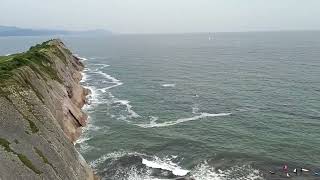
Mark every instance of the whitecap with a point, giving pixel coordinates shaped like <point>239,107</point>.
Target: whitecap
<point>93,98</point>
<point>113,80</point>
<point>126,103</point>
<point>182,120</point>
<point>113,155</point>
<point>84,77</point>
<point>168,85</point>
<point>82,139</point>
<point>151,162</point>
<point>204,172</point>
<point>165,164</point>
<point>102,66</point>
<point>81,58</point>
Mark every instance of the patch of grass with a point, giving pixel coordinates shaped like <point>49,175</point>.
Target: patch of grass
<point>34,128</point>
<point>36,58</point>
<point>44,159</point>
<point>28,163</point>
<point>6,144</point>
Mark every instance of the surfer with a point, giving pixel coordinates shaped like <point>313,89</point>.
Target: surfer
<point>286,170</point>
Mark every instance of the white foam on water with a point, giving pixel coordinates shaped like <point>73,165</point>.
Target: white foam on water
<point>113,80</point>
<point>165,164</point>
<point>126,103</point>
<point>102,66</point>
<point>84,77</point>
<point>79,57</point>
<point>205,172</point>
<point>153,162</point>
<point>81,140</point>
<point>113,156</point>
<point>168,85</point>
<point>153,119</point>
<point>93,98</point>
<point>182,120</point>
<point>195,109</point>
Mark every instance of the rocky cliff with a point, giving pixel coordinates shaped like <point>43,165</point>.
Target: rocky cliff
<point>40,114</point>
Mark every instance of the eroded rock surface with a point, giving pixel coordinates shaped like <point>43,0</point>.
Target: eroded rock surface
<point>40,115</point>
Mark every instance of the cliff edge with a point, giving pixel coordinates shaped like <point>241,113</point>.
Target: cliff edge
<point>40,114</point>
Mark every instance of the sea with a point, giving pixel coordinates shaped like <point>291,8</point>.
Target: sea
<point>206,106</point>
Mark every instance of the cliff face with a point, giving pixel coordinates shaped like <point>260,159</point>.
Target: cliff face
<point>40,114</point>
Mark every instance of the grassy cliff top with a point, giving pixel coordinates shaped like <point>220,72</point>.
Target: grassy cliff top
<point>36,56</point>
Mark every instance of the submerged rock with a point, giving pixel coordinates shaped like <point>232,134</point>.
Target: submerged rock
<point>40,114</point>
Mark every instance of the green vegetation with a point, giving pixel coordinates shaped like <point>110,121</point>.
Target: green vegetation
<point>37,58</point>
<point>44,159</point>
<point>34,128</point>
<point>28,163</point>
<point>6,144</point>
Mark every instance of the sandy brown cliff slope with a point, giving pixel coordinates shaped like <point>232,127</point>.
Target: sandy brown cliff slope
<point>40,114</point>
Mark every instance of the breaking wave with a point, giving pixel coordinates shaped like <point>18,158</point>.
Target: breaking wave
<point>204,171</point>
<point>137,166</point>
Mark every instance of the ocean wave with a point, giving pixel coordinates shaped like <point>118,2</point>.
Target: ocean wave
<point>165,164</point>
<point>84,77</point>
<point>133,165</point>
<point>168,85</point>
<point>182,120</point>
<point>132,114</point>
<point>137,166</point>
<point>204,171</point>
<point>79,57</point>
<point>81,140</point>
<point>93,98</point>
<point>113,80</point>
<point>82,145</point>
<point>101,66</point>
<point>113,156</point>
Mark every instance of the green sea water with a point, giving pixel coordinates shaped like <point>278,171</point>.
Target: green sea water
<point>228,106</point>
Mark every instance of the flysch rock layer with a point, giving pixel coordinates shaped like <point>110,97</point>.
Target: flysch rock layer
<point>41,117</point>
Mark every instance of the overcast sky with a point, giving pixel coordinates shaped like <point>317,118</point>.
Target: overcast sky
<point>163,16</point>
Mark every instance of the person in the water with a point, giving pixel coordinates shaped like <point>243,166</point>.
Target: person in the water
<point>286,170</point>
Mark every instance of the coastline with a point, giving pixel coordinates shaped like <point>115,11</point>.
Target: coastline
<point>41,101</point>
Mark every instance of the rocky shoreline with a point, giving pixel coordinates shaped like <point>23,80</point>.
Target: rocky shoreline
<point>41,115</point>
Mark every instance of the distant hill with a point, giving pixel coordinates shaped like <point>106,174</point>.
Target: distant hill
<point>16,31</point>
